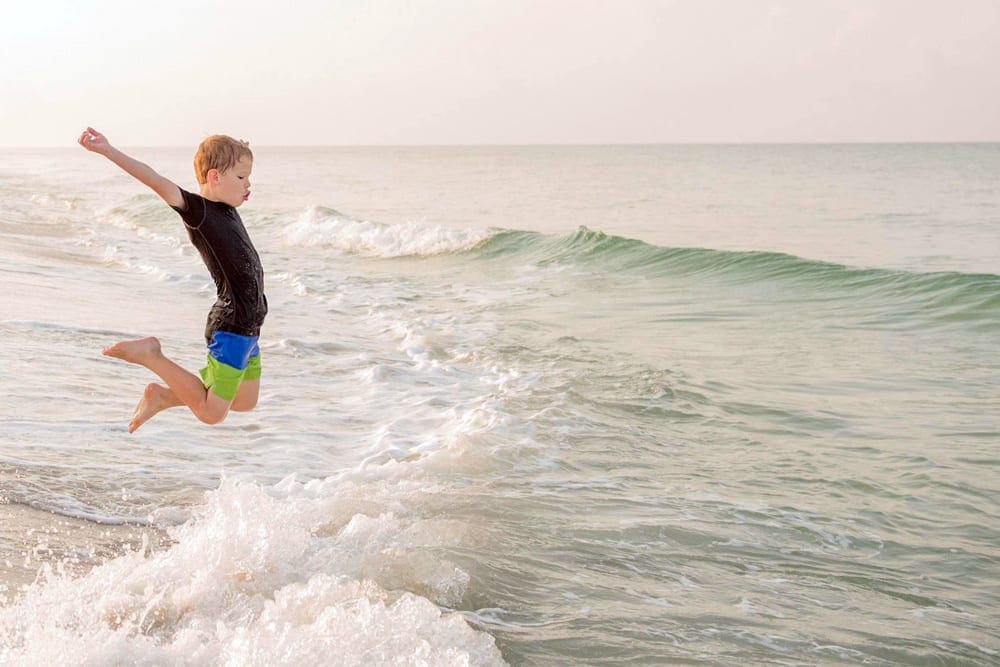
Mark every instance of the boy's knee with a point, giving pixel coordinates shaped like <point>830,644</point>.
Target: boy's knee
<point>244,404</point>
<point>212,419</point>
<point>213,413</point>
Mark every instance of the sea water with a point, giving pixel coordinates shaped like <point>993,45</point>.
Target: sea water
<point>524,405</point>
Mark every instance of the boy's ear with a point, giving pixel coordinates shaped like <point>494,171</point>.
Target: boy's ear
<point>212,176</point>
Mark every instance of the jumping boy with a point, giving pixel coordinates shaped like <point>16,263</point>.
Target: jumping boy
<point>231,380</point>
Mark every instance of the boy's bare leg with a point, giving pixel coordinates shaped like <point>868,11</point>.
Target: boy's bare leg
<point>246,396</point>
<point>186,387</point>
<point>155,398</point>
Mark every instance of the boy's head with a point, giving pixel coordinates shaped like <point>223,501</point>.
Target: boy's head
<point>219,152</point>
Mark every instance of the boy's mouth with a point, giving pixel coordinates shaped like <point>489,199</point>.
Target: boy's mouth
<point>246,195</point>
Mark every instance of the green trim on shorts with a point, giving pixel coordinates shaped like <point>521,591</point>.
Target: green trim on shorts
<point>223,380</point>
<point>253,368</point>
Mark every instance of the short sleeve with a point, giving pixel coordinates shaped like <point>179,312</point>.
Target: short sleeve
<point>194,209</point>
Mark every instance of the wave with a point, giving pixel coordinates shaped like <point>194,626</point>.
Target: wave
<point>326,227</point>
<point>950,295</point>
<point>115,257</point>
<point>261,575</point>
<point>69,328</point>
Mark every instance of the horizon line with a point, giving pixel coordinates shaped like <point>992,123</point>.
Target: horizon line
<point>879,142</point>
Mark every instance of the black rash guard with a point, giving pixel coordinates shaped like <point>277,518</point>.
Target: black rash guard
<point>217,231</point>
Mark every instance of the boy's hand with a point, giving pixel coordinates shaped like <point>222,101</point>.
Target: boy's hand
<point>94,141</point>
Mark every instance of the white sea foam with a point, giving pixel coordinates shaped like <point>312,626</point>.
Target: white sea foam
<point>327,228</point>
<point>343,570</point>
<point>53,200</point>
<point>113,256</point>
<point>291,574</point>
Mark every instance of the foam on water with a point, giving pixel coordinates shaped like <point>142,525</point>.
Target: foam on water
<point>351,568</point>
<point>320,226</point>
<point>291,574</point>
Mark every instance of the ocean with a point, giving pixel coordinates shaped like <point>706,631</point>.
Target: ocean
<point>538,405</point>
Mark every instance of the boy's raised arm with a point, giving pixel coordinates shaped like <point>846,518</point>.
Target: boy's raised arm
<point>168,191</point>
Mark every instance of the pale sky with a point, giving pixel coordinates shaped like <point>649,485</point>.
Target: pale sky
<point>327,72</point>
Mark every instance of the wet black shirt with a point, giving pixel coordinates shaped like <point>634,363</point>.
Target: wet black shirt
<point>217,231</point>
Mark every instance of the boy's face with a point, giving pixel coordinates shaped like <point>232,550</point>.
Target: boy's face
<point>233,185</point>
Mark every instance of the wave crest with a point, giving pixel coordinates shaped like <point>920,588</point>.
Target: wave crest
<point>326,227</point>
<point>964,298</point>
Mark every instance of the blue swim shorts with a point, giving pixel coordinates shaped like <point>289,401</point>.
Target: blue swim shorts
<point>232,358</point>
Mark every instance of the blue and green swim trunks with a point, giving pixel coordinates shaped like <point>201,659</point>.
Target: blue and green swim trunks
<point>232,358</point>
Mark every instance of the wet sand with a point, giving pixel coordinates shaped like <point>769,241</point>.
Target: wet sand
<point>33,540</point>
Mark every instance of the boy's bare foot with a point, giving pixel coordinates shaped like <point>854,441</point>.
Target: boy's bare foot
<point>138,351</point>
<point>154,399</point>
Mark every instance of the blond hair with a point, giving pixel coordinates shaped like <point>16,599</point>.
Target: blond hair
<point>219,152</point>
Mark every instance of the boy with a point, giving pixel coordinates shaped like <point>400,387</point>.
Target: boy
<point>231,380</point>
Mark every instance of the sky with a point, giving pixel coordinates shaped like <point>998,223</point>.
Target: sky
<point>353,72</point>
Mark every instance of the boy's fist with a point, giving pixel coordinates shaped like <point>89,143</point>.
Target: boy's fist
<point>93,140</point>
